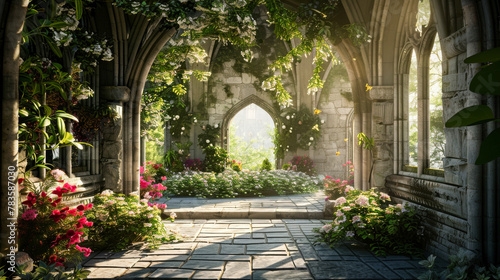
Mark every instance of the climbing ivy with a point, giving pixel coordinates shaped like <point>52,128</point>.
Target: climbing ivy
<point>297,129</point>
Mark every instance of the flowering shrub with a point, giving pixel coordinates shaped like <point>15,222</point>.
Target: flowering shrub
<point>235,165</point>
<point>193,164</point>
<point>336,187</point>
<point>215,159</point>
<point>48,230</point>
<point>303,164</point>
<point>209,137</point>
<point>297,129</point>
<point>367,216</point>
<point>149,190</point>
<point>241,184</point>
<point>120,220</point>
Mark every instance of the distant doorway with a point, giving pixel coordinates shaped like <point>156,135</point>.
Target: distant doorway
<point>250,136</point>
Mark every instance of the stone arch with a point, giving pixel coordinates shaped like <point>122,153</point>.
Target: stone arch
<point>252,99</point>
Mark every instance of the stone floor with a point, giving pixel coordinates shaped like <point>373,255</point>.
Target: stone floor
<point>301,206</point>
<point>268,243</point>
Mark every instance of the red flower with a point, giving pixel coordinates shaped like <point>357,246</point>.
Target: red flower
<point>58,215</point>
<point>83,222</point>
<point>59,191</point>
<point>30,200</point>
<point>20,181</point>
<point>89,206</point>
<point>75,238</point>
<point>72,212</point>
<point>69,187</point>
<point>86,251</point>
<point>44,194</point>
<point>80,207</point>
<point>55,202</point>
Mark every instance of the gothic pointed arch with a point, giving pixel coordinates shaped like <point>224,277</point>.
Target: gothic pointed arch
<point>252,99</point>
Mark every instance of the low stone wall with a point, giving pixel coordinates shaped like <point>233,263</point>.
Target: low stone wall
<point>442,206</point>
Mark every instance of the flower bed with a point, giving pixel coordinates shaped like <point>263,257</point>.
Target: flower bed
<point>240,184</point>
<point>367,216</point>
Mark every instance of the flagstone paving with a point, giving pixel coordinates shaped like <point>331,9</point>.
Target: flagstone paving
<point>250,249</point>
<point>301,206</point>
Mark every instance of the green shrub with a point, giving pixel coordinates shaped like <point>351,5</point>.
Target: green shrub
<point>286,166</point>
<point>236,166</point>
<point>241,184</point>
<point>266,165</point>
<point>215,159</point>
<point>367,216</point>
<point>462,266</point>
<point>120,220</point>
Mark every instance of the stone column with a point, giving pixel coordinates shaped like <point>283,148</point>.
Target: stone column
<point>112,142</point>
<point>383,133</point>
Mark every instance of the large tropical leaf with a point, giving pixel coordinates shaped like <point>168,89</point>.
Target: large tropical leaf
<point>484,57</point>
<point>490,148</point>
<point>487,81</point>
<point>472,115</point>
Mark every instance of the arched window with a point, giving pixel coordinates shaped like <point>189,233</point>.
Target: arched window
<point>413,112</point>
<point>423,133</point>
<point>437,139</point>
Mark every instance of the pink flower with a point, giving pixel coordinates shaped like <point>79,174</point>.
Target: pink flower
<point>349,162</point>
<point>30,215</point>
<point>356,218</point>
<point>86,251</point>
<point>60,191</point>
<point>69,187</point>
<point>141,169</point>
<point>30,200</point>
<point>362,200</point>
<point>164,178</point>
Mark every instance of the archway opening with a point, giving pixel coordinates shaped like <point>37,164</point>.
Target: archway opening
<point>250,137</point>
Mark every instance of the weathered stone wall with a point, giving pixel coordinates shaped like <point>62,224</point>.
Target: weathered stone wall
<point>336,105</point>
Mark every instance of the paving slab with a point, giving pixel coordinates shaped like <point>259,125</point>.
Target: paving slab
<point>203,265</point>
<point>282,275</point>
<point>172,274</point>
<point>272,262</point>
<point>237,270</point>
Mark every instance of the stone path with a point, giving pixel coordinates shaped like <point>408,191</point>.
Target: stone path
<point>250,249</point>
<point>301,206</point>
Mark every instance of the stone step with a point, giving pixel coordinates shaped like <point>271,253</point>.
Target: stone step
<point>261,213</point>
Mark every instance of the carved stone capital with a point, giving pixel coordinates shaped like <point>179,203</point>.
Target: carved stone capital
<point>382,93</point>
<point>455,44</point>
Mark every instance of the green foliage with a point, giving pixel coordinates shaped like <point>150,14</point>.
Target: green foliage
<point>252,153</point>
<point>215,159</point>
<point>286,166</point>
<point>266,165</point>
<point>209,137</point>
<point>462,266</point>
<point>174,159</point>
<point>297,129</point>
<point>318,20</point>
<point>120,220</point>
<point>236,166</point>
<point>40,120</point>
<point>51,272</point>
<point>303,164</point>
<point>482,83</point>
<point>241,184</point>
<point>367,144</point>
<point>367,216</point>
